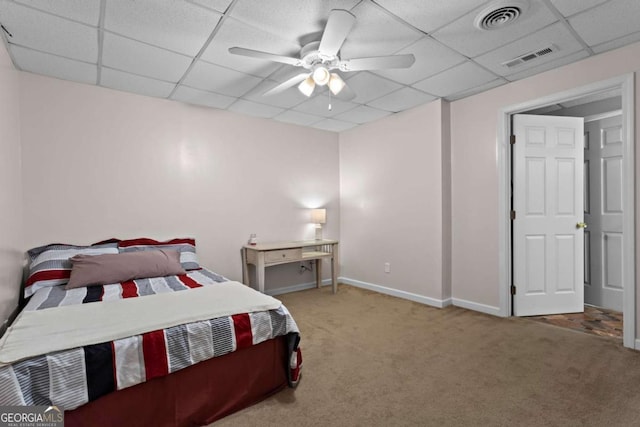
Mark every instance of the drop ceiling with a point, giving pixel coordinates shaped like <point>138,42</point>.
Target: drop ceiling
<point>178,49</point>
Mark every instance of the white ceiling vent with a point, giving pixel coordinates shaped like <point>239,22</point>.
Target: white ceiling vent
<point>527,57</point>
<point>501,13</point>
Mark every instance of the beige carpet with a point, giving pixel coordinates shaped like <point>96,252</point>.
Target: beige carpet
<point>375,360</point>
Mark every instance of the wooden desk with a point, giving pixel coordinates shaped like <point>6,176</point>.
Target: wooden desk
<point>265,255</point>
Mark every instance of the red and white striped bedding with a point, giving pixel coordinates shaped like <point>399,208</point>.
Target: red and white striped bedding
<point>72,377</point>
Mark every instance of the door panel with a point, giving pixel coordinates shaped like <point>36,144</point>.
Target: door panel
<point>566,186</point>
<point>535,254</point>
<point>548,249</point>
<point>603,286</point>
<point>536,197</point>
<point>612,254</point>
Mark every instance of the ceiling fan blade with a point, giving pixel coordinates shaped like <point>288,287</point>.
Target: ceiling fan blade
<point>265,55</point>
<point>378,62</point>
<point>286,85</point>
<point>338,27</point>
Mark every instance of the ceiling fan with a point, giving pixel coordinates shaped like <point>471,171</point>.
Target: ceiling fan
<point>321,59</point>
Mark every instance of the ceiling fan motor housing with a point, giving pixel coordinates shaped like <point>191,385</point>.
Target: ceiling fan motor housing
<point>311,57</point>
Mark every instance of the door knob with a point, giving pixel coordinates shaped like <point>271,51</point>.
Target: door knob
<point>581,225</point>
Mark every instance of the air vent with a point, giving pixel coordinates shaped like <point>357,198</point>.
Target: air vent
<point>530,56</point>
<point>500,14</point>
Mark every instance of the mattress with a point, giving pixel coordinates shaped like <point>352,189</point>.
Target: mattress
<point>92,366</point>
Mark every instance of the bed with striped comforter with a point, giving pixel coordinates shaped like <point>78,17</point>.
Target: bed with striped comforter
<point>73,377</point>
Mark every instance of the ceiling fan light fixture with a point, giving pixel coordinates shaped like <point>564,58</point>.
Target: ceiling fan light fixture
<point>307,86</point>
<point>336,84</point>
<point>321,76</point>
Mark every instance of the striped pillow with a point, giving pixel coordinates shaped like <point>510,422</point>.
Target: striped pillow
<point>50,266</point>
<point>186,247</point>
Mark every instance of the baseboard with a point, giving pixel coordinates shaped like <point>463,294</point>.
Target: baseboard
<point>396,293</point>
<point>637,347</point>
<point>295,288</point>
<point>482,308</point>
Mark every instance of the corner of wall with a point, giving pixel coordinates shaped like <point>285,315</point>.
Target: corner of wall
<point>446,198</point>
<point>11,189</point>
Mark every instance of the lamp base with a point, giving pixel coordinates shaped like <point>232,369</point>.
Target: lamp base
<point>319,233</point>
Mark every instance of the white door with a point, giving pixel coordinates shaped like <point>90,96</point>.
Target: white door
<point>603,212</point>
<point>548,203</point>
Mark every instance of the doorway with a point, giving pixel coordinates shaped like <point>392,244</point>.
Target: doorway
<point>621,246</point>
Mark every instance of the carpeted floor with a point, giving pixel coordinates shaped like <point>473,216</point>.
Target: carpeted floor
<point>375,360</point>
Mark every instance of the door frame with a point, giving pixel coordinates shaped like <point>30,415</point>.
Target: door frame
<point>503,159</point>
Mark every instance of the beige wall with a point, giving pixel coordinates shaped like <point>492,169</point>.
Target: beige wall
<point>391,182</point>
<point>11,247</point>
<point>474,122</point>
<point>98,163</point>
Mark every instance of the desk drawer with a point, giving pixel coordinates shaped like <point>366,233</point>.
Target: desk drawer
<point>282,255</point>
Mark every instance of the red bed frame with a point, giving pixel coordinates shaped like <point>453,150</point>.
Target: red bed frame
<point>194,396</point>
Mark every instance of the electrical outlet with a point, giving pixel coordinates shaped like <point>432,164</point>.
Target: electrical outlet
<point>387,267</point>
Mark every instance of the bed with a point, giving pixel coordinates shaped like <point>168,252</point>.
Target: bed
<point>174,350</point>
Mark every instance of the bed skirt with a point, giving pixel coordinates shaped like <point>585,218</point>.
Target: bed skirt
<point>194,396</point>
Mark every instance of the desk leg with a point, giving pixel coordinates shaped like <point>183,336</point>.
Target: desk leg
<point>318,273</point>
<point>260,271</point>
<point>245,267</point>
<point>334,268</point>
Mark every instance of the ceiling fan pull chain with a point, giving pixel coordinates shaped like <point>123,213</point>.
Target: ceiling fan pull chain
<point>329,100</point>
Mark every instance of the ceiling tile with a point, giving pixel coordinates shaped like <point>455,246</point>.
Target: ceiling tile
<point>178,26</point>
<point>235,33</point>
<point>457,79</point>
<point>42,31</point>
<point>431,58</point>
<point>401,100</point>
<point>139,58</point>
<point>78,10</point>
<point>362,114</point>
<point>556,34</point>
<point>254,109</point>
<point>477,89</point>
<point>368,86</point>
<point>292,20</point>
<point>54,66</point>
<point>214,78</point>
<point>428,15</point>
<point>319,105</point>
<point>115,79</point>
<point>217,5</point>
<point>297,118</point>
<point>549,65</point>
<point>287,99</point>
<point>201,97</point>
<point>334,125</point>
<point>607,22</point>
<point>464,37</point>
<point>614,44</point>
<point>367,39</point>
<point>571,7</point>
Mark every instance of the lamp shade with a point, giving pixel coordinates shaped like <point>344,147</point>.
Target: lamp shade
<point>336,84</point>
<point>307,86</point>
<point>321,76</point>
<point>318,216</point>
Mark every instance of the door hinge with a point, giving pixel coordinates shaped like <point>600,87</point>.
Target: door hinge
<point>513,289</point>
<point>513,215</point>
<point>512,139</point>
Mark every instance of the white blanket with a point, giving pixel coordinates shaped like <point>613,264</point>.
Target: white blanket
<point>44,331</point>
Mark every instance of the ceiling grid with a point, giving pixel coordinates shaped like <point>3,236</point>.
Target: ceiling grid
<point>178,49</point>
